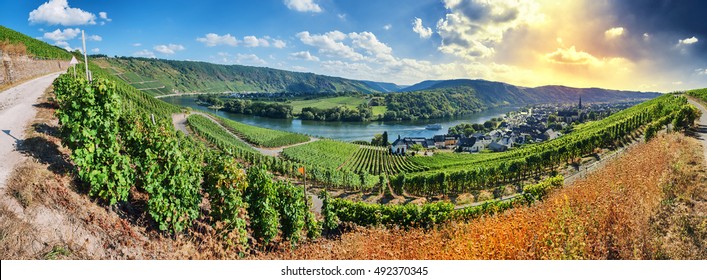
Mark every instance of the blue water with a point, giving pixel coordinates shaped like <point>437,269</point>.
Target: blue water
<point>349,131</point>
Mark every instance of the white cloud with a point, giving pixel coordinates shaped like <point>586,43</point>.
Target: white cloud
<point>104,17</point>
<point>614,32</point>
<point>59,12</point>
<point>62,44</point>
<point>472,28</point>
<point>341,16</point>
<point>303,6</point>
<point>646,37</point>
<point>677,83</point>
<point>137,44</point>
<point>252,41</point>
<point>213,39</point>
<point>95,38</point>
<point>304,55</point>
<point>95,50</point>
<point>417,27</point>
<point>62,35</point>
<point>688,41</point>
<point>279,44</point>
<point>330,43</point>
<point>145,53</point>
<point>370,44</point>
<point>387,26</point>
<point>168,49</point>
<point>701,71</point>
<point>249,59</point>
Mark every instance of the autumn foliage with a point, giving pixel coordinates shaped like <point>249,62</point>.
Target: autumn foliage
<point>605,216</point>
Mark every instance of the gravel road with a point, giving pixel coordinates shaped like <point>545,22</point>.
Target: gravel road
<point>16,110</point>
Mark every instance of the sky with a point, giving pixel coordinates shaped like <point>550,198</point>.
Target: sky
<point>647,45</point>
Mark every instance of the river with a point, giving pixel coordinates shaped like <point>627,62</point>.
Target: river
<point>349,131</point>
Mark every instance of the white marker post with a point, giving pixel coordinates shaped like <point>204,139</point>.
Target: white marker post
<point>85,57</point>
<point>73,64</point>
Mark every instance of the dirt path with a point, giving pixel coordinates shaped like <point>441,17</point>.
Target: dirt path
<point>187,93</point>
<point>17,109</point>
<point>180,123</point>
<point>701,131</point>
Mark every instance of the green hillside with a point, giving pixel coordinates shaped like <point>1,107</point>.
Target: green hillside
<point>435,99</point>
<point>160,77</point>
<point>33,46</point>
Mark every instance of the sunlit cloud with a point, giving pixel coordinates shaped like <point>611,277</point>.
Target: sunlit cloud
<point>688,41</point>
<point>614,32</point>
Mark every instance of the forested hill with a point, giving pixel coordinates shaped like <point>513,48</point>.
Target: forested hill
<point>160,77</point>
<point>497,93</point>
<point>436,99</point>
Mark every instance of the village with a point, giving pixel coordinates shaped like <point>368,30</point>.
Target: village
<point>532,124</point>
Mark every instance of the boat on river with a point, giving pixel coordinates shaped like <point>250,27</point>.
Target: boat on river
<point>433,126</point>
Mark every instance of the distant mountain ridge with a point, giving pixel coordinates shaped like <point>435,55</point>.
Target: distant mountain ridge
<point>499,93</point>
<point>160,77</point>
<point>383,87</point>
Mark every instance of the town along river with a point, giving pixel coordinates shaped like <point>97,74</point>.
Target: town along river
<point>349,131</point>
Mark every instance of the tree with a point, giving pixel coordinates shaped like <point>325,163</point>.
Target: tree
<point>385,139</point>
<point>377,140</point>
<point>416,147</point>
<point>488,124</point>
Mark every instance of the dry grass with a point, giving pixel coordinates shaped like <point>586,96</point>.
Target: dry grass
<point>13,48</point>
<point>609,215</point>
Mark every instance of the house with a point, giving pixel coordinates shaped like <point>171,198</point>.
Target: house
<point>451,140</point>
<point>466,144</point>
<point>402,145</point>
<point>439,141</point>
<point>445,141</point>
<point>507,140</point>
<point>550,134</point>
<point>429,143</point>
<point>398,147</point>
<point>480,145</point>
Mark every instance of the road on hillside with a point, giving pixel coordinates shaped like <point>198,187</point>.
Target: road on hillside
<point>180,123</point>
<point>17,109</point>
<point>701,131</point>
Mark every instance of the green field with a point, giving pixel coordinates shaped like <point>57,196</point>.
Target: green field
<point>327,103</point>
<point>328,154</point>
<point>216,135</point>
<point>378,160</point>
<point>378,110</point>
<point>263,136</point>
